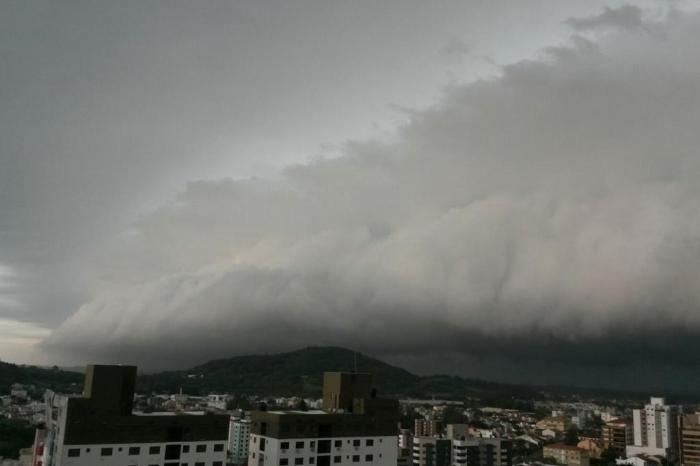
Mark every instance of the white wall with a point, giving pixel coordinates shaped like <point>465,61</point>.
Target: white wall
<point>384,451</point>
<point>90,455</point>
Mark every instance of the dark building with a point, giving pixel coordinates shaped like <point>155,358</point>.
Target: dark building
<point>100,427</point>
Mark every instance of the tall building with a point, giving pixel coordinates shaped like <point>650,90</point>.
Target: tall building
<point>617,434</point>
<point>354,428</point>
<point>238,439</point>
<point>99,427</point>
<point>655,429</point>
<point>432,451</point>
<point>690,440</point>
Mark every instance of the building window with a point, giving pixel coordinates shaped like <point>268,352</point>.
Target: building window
<point>219,447</point>
<point>134,450</point>
<point>284,445</point>
<point>338,443</point>
<point>73,452</point>
<point>356,443</point>
<point>298,461</point>
<point>355,458</point>
<point>185,448</point>
<point>106,452</point>
<point>172,452</point>
<point>337,459</point>
<point>199,463</point>
<point>369,442</point>
<point>299,445</point>
<point>312,460</point>
<point>284,461</point>
<point>201,448</point>
<point>369,457</point>
<point>153,450</point>
<point>217,463</point>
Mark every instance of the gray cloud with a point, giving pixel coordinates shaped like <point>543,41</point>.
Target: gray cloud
<point>534,215</point>
<point>626,17</point>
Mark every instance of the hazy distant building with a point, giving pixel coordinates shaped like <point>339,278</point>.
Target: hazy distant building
<point>556,423</point>
<point>427,427</point>
<point>99,428</point>
<point>617,434</point>
<point>690,440</point>
<point>355,428</point>
<point>655,429</point>
<point>566,454</point>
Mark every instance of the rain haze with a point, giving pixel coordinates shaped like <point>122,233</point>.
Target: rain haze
<point>502,190</point>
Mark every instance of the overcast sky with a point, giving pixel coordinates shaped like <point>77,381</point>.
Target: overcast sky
<point>500,189</point>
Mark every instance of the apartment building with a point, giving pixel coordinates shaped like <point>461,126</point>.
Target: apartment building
<point>99,428</point>
<point>432,451</point>
<point>354,428</point>
<point>555,423</point>
<point>690,440</point>
<point>427,427</point>
<point>473,451</point>
<point>617,434</point>
<point>566,454</point>
<point>238,439</point>
<point>655,429</point>
<point>482,452</point>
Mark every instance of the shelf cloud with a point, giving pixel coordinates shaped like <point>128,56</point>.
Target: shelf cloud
<point>527,217</point>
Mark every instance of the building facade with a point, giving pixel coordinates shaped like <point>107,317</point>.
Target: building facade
<point>566,454</point>
<point>617,434</point>
<point>655,429</point>
<point>690,440</point>
<point>427,428</point>
<point>238,439</point>
<point>354,429</point>
<point>99,428</point>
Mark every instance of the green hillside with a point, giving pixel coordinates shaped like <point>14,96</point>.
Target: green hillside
<point>300,373</point>
<point>41,378</point>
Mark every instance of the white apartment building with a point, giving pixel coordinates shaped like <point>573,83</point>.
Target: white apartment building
<point>238,439</point>
<point>354,429</point>
<point>338,451</point>
<point>655,429</point>
<point>100,429</point>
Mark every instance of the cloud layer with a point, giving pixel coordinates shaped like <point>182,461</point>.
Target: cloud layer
<point>556,203</point>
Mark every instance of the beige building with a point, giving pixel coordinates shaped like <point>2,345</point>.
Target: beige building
<point>617,434</point>
<point>427,428</point>
<point>690,440</point>
<point>566,454</point>
<point>592,446</point>
<point>558,423</point>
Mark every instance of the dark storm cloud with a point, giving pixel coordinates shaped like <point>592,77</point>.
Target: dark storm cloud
<point>547,216</point>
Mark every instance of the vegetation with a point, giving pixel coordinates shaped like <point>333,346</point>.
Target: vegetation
<point>300,373</point>
<point>14,435</point>
<point>40,378</point>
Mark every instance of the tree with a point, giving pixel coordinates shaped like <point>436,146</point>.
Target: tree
<point>571,437</point>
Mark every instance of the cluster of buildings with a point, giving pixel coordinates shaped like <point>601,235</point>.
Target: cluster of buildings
<point>349,426</point>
